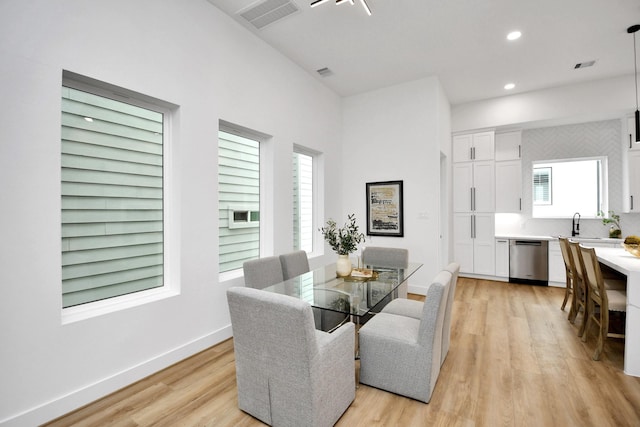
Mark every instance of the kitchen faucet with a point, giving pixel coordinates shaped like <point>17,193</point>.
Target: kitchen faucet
<point>575,225</point>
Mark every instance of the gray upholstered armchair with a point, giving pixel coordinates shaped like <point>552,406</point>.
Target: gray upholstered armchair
<point>288,373</point>
<point>402,354</point>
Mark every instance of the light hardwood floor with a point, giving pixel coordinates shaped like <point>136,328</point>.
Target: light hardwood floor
<point>514,360</point>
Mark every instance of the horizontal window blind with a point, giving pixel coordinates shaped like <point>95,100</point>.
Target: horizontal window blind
<point>302,202</point>
<point>542,186</point>
<point>112,198</point>
<point>238,189</point>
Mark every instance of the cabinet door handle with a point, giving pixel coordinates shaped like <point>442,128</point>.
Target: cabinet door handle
<point>519,151</point>
<point>630,141</point>
<point>471,226</point>
<point>473,197</point>
<point>520,201</point>
<point>631,202</point>
<point>470,198</point>
<point>474,226</point>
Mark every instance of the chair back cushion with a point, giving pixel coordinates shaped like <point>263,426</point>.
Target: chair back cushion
<point>592,275</point>
<point>385,257</point>
<point>294,264</point>
<point>566,255</point>
<point>454,269</point>
<point>574,250</point>
<point>432,322</point>
<point>262,272</point>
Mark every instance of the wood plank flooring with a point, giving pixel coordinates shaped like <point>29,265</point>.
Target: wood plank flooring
<point>514,360</point>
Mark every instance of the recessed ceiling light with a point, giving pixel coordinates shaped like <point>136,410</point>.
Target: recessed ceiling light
<point>509,86</point>
<point>89,119</point>
<point>514,35</point>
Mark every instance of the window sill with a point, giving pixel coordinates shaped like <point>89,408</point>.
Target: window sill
<point>111,305</point>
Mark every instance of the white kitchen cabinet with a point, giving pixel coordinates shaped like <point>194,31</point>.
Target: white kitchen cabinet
<point>502,258</point>
<point>474,242</point>
<point>508,186</point>
<point>508,146</point>
<point>556,265</point>
<point>630,135</point>
<point>474,146</point>
<point>633,162</point>
<point>474,186</point>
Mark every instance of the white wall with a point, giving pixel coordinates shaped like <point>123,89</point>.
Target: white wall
<point>187,53</point>
<point>579,103</point>
<point>397,133</point>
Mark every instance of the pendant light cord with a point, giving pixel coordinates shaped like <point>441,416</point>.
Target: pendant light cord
<point>635,67</point>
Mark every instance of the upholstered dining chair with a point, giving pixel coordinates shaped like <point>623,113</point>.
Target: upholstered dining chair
<point>600,297</point>
<point>288,373</point>
<point>262,272</point>
<point>569,271</point>
<point>401,354</point>
<point>385,257</point>
<point>294,264</point>
<point>580,288</point>
<point>413,308</point>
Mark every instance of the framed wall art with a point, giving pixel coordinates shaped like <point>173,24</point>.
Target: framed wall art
<point>384,209</point>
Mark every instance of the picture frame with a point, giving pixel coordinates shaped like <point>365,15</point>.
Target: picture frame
<point>385,216</point>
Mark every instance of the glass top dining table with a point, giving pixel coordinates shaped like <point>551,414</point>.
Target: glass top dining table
<point>354,296</point>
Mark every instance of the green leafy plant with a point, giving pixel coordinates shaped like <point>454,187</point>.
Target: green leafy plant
<point>343,240</point>
<point>614,220</point>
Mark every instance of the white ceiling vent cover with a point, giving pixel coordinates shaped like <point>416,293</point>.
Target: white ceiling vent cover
<point>267,12</point>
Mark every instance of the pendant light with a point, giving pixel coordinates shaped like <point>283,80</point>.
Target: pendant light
<point>632,30</point>
<point>364,4</point>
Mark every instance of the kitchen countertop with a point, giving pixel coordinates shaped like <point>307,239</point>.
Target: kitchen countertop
<point>555,238</point>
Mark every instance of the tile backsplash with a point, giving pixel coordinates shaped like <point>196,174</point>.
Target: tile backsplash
<point>603,138</point>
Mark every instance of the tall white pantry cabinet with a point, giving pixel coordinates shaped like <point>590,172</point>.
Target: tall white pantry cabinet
<point>474,202</point>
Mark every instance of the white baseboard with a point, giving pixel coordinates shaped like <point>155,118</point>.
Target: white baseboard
<point>64,404</point>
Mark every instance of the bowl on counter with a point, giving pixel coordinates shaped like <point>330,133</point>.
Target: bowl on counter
<point>633,249</point>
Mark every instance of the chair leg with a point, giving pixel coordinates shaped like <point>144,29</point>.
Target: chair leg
<point>602,335</point>
<point>586,321</point>
<point>567,291</point>
<point>573,313</point>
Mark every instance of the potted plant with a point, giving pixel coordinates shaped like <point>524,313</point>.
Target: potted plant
<point>615,231</point>
<point>343,241</point>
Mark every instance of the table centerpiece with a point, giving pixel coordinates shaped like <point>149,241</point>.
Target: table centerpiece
<point>343,241</point>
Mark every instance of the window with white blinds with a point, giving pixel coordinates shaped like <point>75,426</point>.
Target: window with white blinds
<point>542,186</point>
<point>303,202</point>
<point>238,200</point>
<point>112,197</point>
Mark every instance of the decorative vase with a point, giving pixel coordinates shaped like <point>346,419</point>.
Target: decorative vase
<point>615,233</point>
<point>343,266</point>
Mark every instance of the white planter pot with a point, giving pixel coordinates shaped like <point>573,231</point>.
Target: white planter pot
<point>343,266</point>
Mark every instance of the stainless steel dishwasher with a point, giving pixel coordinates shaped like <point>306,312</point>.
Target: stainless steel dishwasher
<point>529,261</point>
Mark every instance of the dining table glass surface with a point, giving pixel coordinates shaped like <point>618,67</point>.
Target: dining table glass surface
<point>356,296</point>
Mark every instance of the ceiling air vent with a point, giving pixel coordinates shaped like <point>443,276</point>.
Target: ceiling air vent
<point>267,12</point>
<point>325,72</point>
<point>584,64</point>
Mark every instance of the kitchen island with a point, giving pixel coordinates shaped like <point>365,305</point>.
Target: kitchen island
<point>625,263</point>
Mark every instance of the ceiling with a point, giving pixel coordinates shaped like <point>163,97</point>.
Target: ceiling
<point>463,42</point>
